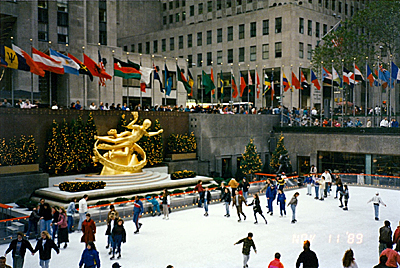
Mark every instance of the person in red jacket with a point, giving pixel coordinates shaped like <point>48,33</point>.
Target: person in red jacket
<point>277,262</point>
<point>396,237</point>
<point>199,188</point>
<point>88,230</point>
<point>393,257</point>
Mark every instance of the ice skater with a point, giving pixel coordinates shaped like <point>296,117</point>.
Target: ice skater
<point>207,200</point>
<point>293,205</point>
<point>137,213</point>
<point>385,237</point>
<point>271,195</point>
<point>199,188</point>
<point>166,201</point>
<point>118,236</point>
<point>90,257</point>
<point>316,185</point>
<point>247,244</point>
<point>276,263</point>
<point>257,208</point>
<point>44,245</point>
<point>308,181</point>
<point>308,257</point>
<point>344,194</point>
<point>281,201</point>
<point>339,186</point>
<point>238,201</point>
<point>348,260</point>
<point>376,200</point>
<point>111,222</point>
<point>226,198</point>
<point>156,205</point>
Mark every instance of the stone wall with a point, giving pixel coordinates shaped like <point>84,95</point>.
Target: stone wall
<point>17,186</point>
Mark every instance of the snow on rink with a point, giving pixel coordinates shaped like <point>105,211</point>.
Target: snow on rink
<point>189,239</point>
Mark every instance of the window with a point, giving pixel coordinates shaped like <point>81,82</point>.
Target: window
<point>333,5</point>
<point>199,39</point>
<point>278,50</point>
<point>183,15</point>
<point>147,51</point>
<point>228,3</point>
<point>209,37</point>
<point>320,2</point>
<point>177,17</point>
<point>125,48</point>
<point>309,28</point>
<point>265,27</point>
<point>219,57</point>
<point>191,11</point>
<point>43,21</point>
<point>253,53</point>
<point>199,60</point>
<point>253,29</point>
<point>265,51</point>
<point>200,8</point>
<point>140,49</point>
<point>209,6</point>
<point>310,1</point>
<point>164,6</point>
<point>171,19</point>
<point>340,7</point>
<point>155,46</point>
<point>190,61</point>
<point>346,9</point>
<point>278,25</point>
<point>325,30</point>
<point>163,45</point>
<point>171,43</point>
<point>62,21</point>
<point>326,3</point>
<point>180,42</point>
<point>183,3</point>
<point>351,11</point>
<point>301,26</point>
<point>317,26</point>
<point>209,58</point>
<point>171,5</point>
<point>230,56</point>
<point>164,20</point>
<point>219,4</point>
<point>219,35</point>
<point>103,22</point>
<point>241,31</point>
<point>309,51</point>
<point>238,2</point>
<point>230,33</point>
<point>241,54</point>
<point>301,50</point>
<point>176,4</point>
<point>190,40</point>
<point>133,48</point>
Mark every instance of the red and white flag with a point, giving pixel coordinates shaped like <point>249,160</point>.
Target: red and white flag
<point>258,85</point>
<point>46,63</point>
<point>249,80</point>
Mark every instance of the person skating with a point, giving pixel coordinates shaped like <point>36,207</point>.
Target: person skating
<point>156,205</point>
<point>234,185</point>
<point>308,257</point>
<point>62,228</point>
<point>271,195</point>
<point>293,205</point>
<point>245,185</point>
<point>83,209</point>
<point>248,243</point>
<point>33,223</point>
<point>118,237</point>
<point>393,257</point>
<point>281,201</point>
<point>281,181</point>
<point>226,198</point>
<point>44,245</point>
<point>18,247</point>
<point>114,211</point>
<point>238,201</point>
<point>257,208</point>
<point>348,260</point>
<point>276,263</point>
<point>396,238</point>
<point>137,213</point>
<point>111,222</point>
<point>316,185</point>
<point>71,210</point>
<point>308,181</point>
<point>3,262</point>
<point>339,186</point>
<point>385,237</point>
<point>90,257</point>
<point>376,200</point>
<point>199,188</point>
<point>207,200</point>
<point>322,184</point>
<point>345,194</point>
<point>88,230</point>
<point>382,262</point>
<point>166,201</point>
<point>328,180</point>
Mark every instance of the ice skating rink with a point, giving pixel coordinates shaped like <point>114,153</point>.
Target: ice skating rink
<point>188,239</point>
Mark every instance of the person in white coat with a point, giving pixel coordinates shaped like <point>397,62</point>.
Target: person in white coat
<point>322,186</point>
<point>376,200</point>
<point>83,209</point>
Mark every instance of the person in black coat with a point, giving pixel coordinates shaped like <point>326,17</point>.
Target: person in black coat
<point>18,247</point>
<point>245,185</point>
<point>44,246</point>
<point>119,236</point>
<point>111,222</point>
<point>226,198</point>
<point>308,257</point>
<point>257,208</point>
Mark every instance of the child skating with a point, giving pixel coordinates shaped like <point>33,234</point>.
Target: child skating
<point>119,236</point>
<point>281,201</point>
<point>257,208</point>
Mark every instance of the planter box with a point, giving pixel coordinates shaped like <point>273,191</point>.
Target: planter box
<point>19,169</point>
<point>183,156</point>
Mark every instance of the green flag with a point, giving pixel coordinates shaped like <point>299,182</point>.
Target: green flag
<point>181,78</point>
<point>207,83</point>
<point>134,65</point>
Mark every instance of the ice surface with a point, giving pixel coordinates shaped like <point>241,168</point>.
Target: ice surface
<point>189,239</point>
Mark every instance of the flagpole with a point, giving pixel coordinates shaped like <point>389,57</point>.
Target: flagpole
<point>231,88</point>
<point>140,86</point>
<point>68,95</point>
<point>332,97</point>
<point>50,91</point>
<point>113,51</point>
<point>212,79</point>
<point>12,79</point>
<point>127,88</point>
<point>291,87</point>
<point>256,87</point>
<point>248,90</point>
<point>221,83</point>
<point>263,93</point>
<point>281,95</point>
<point>389,112</point>
<point>301,89</point>
<point>240,82</point>
<point>311,92</point>
<point>31,40</point>
<point>322,94</point>
<point>201,86</point>
<point>272,90</point>
<point>152,91</point>
<point>380,87</point>
<point>99,77</point>
<point>354,88</point>
<point>366,86</point>
<point>177,92</point>
<point>343,96</point>
<point>83,83</point>
<point>165,81</point>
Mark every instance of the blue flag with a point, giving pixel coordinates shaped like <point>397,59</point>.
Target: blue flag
<point>395,73</point>
<point>70,66</point>
<point>167,81</point>
<point>3,62</point>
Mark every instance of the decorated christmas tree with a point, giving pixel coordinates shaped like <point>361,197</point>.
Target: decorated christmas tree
<point>121,124</point>
<point>22,153</point>
<point>3,152</point>
<point>280,150</point>
<point>54,156</point>
<point>251,162</point>
<point>68,162</point>
<point>153,146</point>
<point>90,132</point>
<point>32,150</point>
<point>13,152</point>
<point>78,144</point>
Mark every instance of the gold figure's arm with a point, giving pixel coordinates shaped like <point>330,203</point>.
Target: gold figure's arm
<point>135,118</point>
<point>149,134</point>
<point>123,152</point>
<point>111,140</point>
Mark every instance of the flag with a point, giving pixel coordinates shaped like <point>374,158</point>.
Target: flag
<point>242,84</point>
<point>3,62</point>
<point>249,80</point>
<point>47,63</point>
<point>384,76</point>
<point>212,79</point>
<point>395,72</point>
<point>125,70</point>
<point>103,75</point>
<point>83,68</point>
<point>348,77</point>
<point>315,81</point>
<point>182,78</point>
<point>336,78</point>
<point>221,84</point>
<point>326,76</point>
<point>146,72</point>
<point>258,85</point>
<point>157,77</point>
<point>94,69</point>
<point>70,66</point>
<point>370,76</point>
<point>13,60</point>
<point>167,81</point>
<point>134,65</point>
<point>267,83</point>
<point>376,83</point>
<point>286,84</point>
<point>207,83</point>
<point>272,89</point>
<point>32,65</point>
<point>295,81</point>
<point>234,87</point>
<point>191,82</point>
<point>143,87</point>
<point>358,75</point>
<point>304,83</point>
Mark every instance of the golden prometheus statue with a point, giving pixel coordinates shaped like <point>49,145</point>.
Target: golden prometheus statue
<point>121,157</point>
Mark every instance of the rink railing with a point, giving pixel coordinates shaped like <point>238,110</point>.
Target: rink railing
<point>180,201</point>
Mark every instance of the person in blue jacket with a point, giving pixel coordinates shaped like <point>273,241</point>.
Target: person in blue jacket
<point>282,201</point>
<point>308,181</point>
<point>137,213</point>
<point>90,257</point>
<point>271,195</point>
<point>156,205</point>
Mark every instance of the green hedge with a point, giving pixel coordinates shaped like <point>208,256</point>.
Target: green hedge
<point>26,203</point>
<point>177,175</point>
<point>18,151</point>
<point>182,143</point>
<point>72,186</point>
